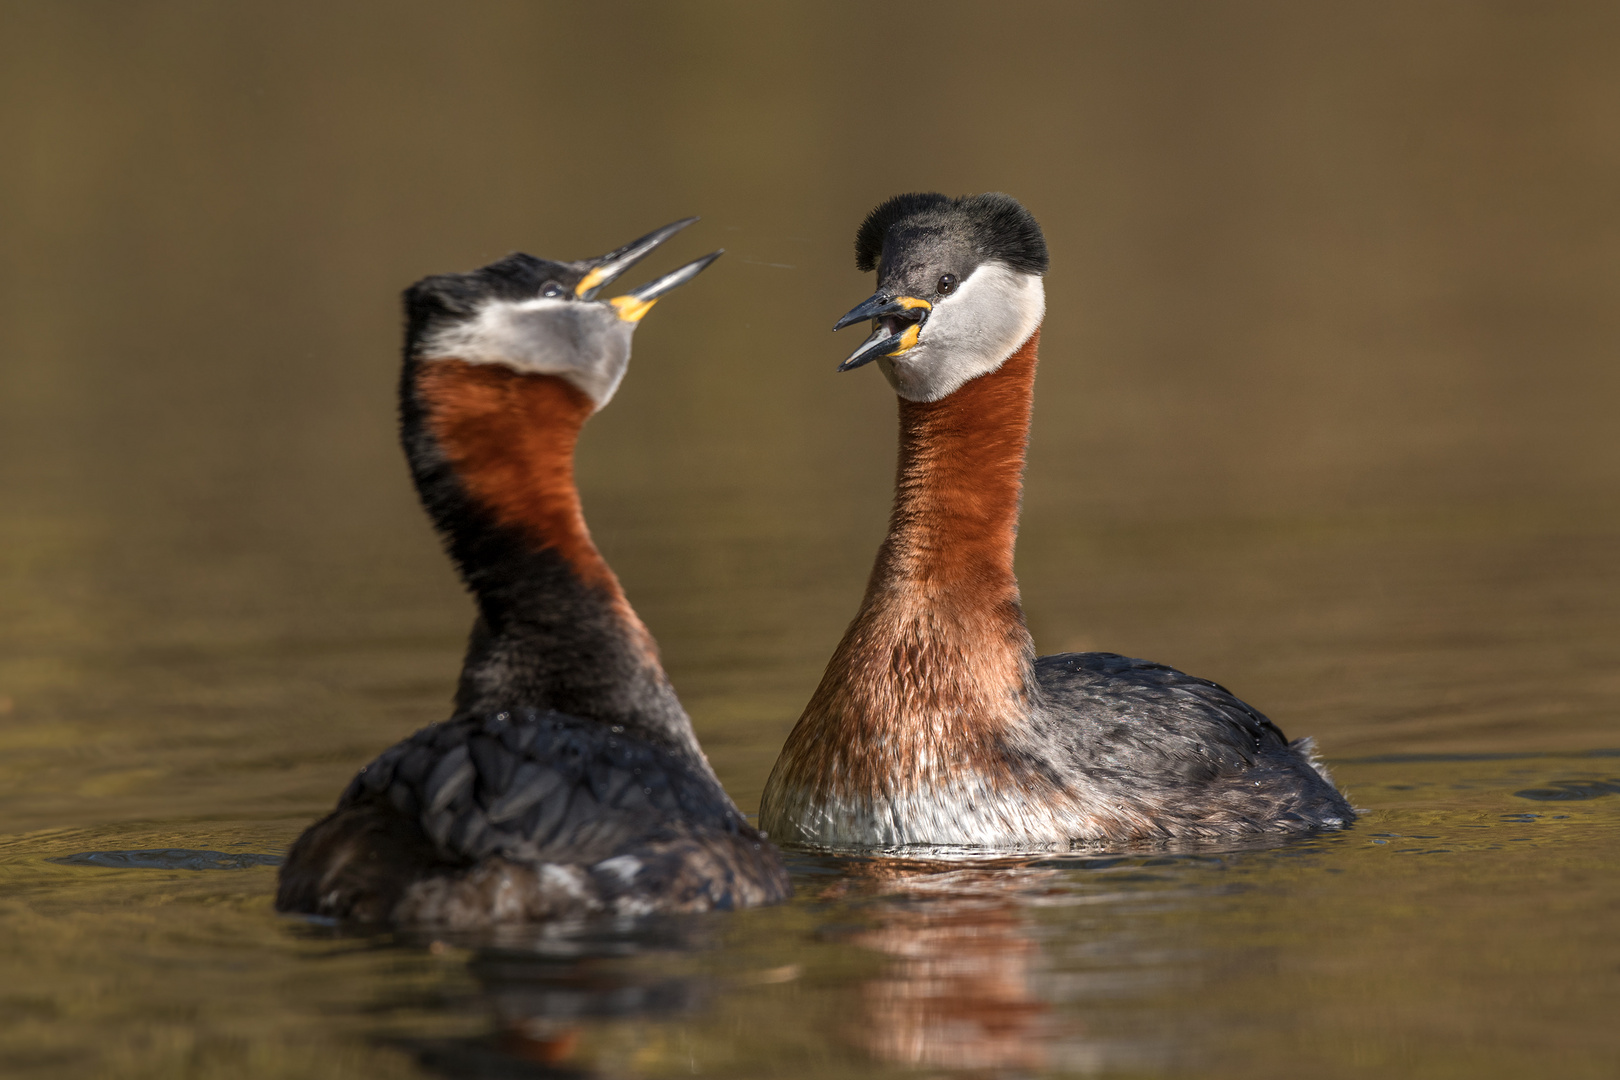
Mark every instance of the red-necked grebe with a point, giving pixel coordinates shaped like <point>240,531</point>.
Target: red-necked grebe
<point>569,780</point>
<point>935,724</point>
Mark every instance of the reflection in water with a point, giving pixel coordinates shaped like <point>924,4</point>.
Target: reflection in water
<point>958,990</point>
<point>545,989</point>
<point>540,1004</point>
<point>967,985</point>
<point>974,976</point>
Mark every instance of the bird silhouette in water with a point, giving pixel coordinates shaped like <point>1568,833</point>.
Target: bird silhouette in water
<point>569,781</point>
<point>935,723</point>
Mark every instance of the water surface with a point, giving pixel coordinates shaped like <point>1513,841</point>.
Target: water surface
<point>1325,413</point>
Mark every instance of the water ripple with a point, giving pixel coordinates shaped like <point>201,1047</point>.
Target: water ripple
<point>169,859</point>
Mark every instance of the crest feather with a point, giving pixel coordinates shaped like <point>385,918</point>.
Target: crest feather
<point>998,225</point>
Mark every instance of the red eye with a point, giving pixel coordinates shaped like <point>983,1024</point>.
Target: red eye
<point>947,284</point>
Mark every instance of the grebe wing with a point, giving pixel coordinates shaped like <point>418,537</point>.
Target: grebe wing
<point>580,816</point>
<point>537,787</point>
<point>1121,704</point>
<point>1196,758</point>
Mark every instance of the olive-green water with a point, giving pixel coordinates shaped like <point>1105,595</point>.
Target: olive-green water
<point>1327,412</point>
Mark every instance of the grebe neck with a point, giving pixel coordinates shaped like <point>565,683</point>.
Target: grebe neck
<point>957,490</point>
<point>934,675</point>
<point>492,453</point>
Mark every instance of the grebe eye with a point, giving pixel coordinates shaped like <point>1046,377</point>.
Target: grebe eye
<point>947,284</point>
<point>551,289</point>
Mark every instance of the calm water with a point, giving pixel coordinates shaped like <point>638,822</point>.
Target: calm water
<point>1326,413</point>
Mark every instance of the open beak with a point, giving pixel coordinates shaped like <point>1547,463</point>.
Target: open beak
<point>637,302</point>
<point>896,323</point>
<point>614,263</point>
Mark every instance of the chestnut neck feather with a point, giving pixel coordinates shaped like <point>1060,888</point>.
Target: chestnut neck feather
<point>510,438</point>
<point>492,452</point>
<point>935,672</point>
<point>960,478</point>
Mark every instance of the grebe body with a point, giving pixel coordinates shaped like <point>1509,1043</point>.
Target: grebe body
<point>935,723</point>
<point>569,781</point>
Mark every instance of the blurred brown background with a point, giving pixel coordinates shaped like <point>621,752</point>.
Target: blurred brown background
<point>1326,410</point>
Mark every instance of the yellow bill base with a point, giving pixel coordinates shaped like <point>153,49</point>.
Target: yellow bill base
<point>630,309</point>
<point>907,339</point>
<point>589,282</point>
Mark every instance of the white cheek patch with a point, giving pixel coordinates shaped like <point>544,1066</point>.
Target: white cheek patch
<point>969,333</point>
<point>585,343</point>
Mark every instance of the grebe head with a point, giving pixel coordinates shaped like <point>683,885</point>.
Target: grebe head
<point>542,317</point>
<point>959,289</point>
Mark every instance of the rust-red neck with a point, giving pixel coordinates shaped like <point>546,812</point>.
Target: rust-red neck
<point>492,450</point>
<point>510,439</point>
<point>959,482</point>
<point>936,670</point>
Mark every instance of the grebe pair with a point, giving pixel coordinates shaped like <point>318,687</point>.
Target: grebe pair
<point>570,782</point>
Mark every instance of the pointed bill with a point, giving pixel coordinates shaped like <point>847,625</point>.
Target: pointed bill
<point>880,305</point>
<point>896,323</point>
<point>883,342</point>
<point>616,262</point>
<point>637,302</point>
